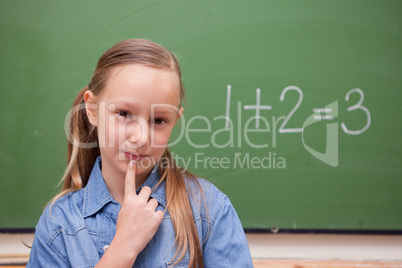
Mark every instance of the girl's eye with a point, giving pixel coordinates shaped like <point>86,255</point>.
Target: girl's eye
<point>123,114</point>
<point>159,121</point>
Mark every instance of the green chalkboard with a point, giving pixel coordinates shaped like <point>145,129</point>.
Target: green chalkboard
<point>298,102</point>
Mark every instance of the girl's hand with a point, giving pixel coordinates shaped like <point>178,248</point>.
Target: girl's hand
<point>137,223</point>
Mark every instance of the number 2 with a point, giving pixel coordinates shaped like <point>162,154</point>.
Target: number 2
<point>282,128</point>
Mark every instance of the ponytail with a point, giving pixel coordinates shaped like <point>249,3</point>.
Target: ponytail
<point>80,160</point>
<point>180,210</point>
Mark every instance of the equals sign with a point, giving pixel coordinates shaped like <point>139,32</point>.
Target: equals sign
<point>323,113</point>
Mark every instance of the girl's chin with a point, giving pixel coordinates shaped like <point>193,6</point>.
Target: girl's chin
<point>143,174</point>
<point>143,169</point>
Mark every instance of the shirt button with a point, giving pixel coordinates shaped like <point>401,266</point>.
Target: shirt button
<point>105,247</point>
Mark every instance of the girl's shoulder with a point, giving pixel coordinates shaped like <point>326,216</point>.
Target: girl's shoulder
<point>62,215</point>
<point>199,187</point>
<point>206,199</point>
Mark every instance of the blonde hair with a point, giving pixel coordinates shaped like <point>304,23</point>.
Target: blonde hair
<point>81,160</point>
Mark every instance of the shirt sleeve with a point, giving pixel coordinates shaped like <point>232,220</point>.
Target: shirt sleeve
<point>226,245</point>
<point>44,255</point>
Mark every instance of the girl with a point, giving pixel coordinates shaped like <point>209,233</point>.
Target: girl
<point>124,201</point>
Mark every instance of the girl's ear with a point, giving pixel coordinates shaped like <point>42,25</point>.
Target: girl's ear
<point>91,107</point>
<point>180,113</point>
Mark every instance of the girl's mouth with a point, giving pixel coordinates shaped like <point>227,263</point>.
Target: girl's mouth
<point>135,157</point>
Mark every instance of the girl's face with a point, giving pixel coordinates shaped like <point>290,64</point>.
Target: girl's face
<point>135,114</point>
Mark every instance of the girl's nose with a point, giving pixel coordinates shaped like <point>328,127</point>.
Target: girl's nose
<point>137,133</point>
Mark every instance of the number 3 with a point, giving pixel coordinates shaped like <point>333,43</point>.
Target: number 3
<point>357,107</point>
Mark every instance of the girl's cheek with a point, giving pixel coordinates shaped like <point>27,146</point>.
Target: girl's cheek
<point>111,134</point>
<point>120,130</point>
<point>157,141</point>
<point>160,137</point>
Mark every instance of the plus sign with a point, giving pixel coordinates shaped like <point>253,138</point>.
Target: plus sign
<point>257,108</point>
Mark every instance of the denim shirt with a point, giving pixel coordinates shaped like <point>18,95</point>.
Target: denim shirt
<point>82,224</point>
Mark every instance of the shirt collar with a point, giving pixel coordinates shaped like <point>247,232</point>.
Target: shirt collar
<point>96,193</point>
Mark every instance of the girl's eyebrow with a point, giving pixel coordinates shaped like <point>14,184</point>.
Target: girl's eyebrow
<point>158,106</point>
<point>169,110</point>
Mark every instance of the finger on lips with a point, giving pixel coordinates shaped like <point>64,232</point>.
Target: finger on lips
<point>130,187</point>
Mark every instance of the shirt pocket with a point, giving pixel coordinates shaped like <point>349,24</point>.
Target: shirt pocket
<point>180,264</point>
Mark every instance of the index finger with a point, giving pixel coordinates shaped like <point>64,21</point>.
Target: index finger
<point>129,185</point>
